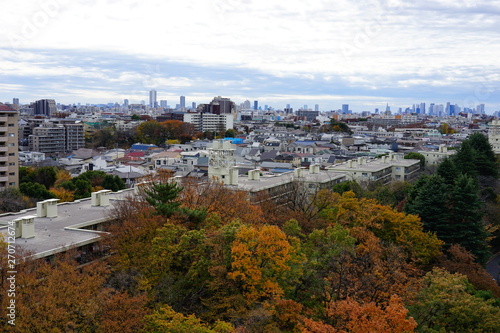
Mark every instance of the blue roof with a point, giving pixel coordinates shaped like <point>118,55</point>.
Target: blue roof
<point>280,170</point>
<point>142,146</point>
<point>234,140</point>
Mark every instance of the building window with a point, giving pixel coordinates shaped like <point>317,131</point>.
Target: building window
<point>12,183</point>
<point>12,154</point>
<point>12,163</point>
<point>11,125</point>
<point>12,173</point>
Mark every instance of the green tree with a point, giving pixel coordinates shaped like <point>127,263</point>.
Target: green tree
<point>416,156</point>
<point>36,191</point>
<point>485,159</point>
<point>447,304</point>
<point>163,198</point>
<point>448,170</point>
<point>465,219</point>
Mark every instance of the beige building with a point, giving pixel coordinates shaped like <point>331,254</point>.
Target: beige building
<point>433,158</point>
<point>57,138</point>
<point>9,164</point>
<point>494,135</point>
<point>385,169</point>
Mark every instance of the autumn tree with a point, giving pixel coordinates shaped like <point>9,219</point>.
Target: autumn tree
<point>445,304</point>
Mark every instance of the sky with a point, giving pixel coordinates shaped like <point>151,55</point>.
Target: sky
<point>363,53</point>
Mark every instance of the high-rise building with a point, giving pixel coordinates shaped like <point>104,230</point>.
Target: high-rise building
<point>9,168</point>
<point>125,103</point>
<point>152,99</point>
<point>193,105</point>
<point>247,105</point>
<point>163,103</point>
<point>183,102</point>
<point>345,108</point>
<point>15,101</point>
<point>422,108</point>
<point>45,107</point>
<point>288,106</point>
<point>316,107</point>
<point>255,105</point>
<point>479,109</point>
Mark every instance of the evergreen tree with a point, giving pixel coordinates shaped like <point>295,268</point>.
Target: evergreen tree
<point>448,170</point>
<point>485,159</point>
<point>163,197</point>
<point>428,200</point>
<point>465,159</point>
<point>465,219</point>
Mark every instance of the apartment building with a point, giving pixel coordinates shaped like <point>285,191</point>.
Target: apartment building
<point>386,169</point>
<point>57,138</point>
<point>204,122</point>
<point>9,167</point>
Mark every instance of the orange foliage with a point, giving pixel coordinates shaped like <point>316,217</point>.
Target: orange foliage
<point>351,316</point>
<point>261,256</point>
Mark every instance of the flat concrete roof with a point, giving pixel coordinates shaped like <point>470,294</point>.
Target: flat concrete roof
<point>57,234</point>
<point>270,181</point>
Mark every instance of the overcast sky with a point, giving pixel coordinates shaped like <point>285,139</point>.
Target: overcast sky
<point>363,53</point>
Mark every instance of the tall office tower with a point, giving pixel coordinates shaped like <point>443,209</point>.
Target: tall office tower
<point>152,99</point>
<point>422,108</point>
<point>45,107</point>
<point>447,110</point>
<point>288,106</point>
<point>247,105</point>
<point>221,105</point>
<point>452,110</point>
<point>316,107</point>
<point>255,105</point>
<point>183,102</point>
<point>265,107</point>
<point>345,108</point>
<point>9,167</point>
<point>163,103</point>
<point>125,103</point>
<point>15,101</point>
<point>193,105</point>
<point>431,109</point>
<point>305,107</point>
<point>479,109</point>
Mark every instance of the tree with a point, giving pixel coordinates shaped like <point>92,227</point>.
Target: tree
<point>12,200</point>
<point>354,317</point>
<point>416,156</point>
<point>36,191</point>
<point>448,170</point>
<point>445,304</point>
<point>485,159</point>
<point>163,198</point>
<point>465,219</point>
<point>151,132</point>
<point>166,320</point>
<point>230,133</point>
<point>260,258</point>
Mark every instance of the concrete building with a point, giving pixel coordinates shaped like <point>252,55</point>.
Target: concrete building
<point>51,138</point>
<point>46,107</point>
<point>433,158</point>
<point>384,170</point>
<point>209,122</point>
<point>9,161</point>
<point>494,135</point>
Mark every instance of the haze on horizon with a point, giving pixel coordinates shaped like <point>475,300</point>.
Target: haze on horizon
<point>365,54</point>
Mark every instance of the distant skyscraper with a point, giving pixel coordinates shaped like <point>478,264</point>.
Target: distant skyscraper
<point>432,110</point>
<point>447,110</point>
<point>247,105</point>
<point>305,107</point>
<point>255,105</point>
<point>15,101</point>
<point>125,103</point>
<point>183,102</point>
<point>422,108</point>
<point>152,99</point>
<point>316,107</point>
<point>193,105</point>
<point>479,109</point>
<point>451,109</point>
<point>45,107</point>
<point>345,108</point>
<point>265,107</point>
<point>163,103</point>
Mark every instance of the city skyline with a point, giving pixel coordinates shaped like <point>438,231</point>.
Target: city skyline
<point>364,54</point>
